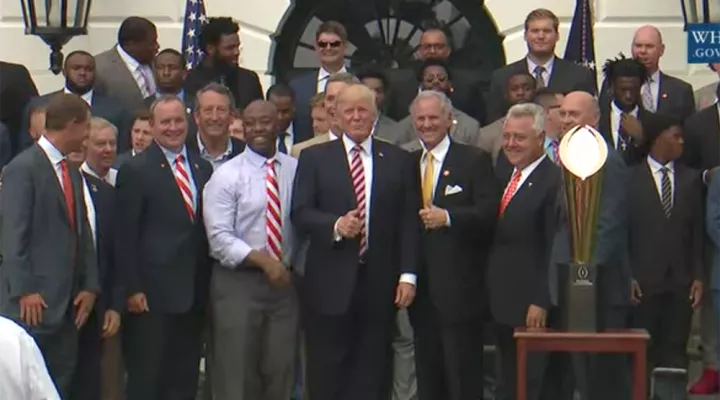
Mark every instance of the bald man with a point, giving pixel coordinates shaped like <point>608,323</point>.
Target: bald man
<point>662,93</point>
<point>600,376</point>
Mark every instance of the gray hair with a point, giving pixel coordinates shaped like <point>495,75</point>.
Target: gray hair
<point>218,88</point>
<point>531,110</point>
<point>445,103</point>
<point>98,123</point>
<point>165,98</point>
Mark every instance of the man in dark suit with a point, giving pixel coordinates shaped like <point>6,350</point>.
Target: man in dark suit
<point>283,97</point>
<point>125,70</point>
<point>702,140</point>
<point>660,93</point>
<point>518,263</point>
<point>220,42</point>
<point>162,250</point>
<point>460,197</point>
<point>541,35</point>
<point>622,114</point>
<point>355,200</point>
<point>49,274</point>
<point>330,42</point>
<point>467,94</point>
<point>16,90</point>
<point>79,72</point>
<point>169,71</point>
<point>601,376</point>
<point>667,236</point>
<point>5,145</point>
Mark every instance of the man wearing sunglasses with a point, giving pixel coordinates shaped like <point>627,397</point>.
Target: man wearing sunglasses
<point>330,43</point>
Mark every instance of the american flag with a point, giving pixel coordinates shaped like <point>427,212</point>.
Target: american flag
<point>580,47</point>
<point>195,18</point>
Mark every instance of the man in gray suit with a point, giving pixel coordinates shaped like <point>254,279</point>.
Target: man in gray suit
<point>602,376</point>
<point>49,275</point>
<point>125,70</point>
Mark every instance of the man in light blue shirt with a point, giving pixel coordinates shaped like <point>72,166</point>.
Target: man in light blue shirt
<point>254,307</point>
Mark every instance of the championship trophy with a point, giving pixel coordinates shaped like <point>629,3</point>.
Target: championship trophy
<point>582,153</point>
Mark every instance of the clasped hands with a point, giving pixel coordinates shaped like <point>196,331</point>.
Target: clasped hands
<point>433,217</point>
<point>33,305</point>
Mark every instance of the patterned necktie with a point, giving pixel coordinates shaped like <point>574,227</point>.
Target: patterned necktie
<point>647,96</point>
<point>357,173</point>
<point>428,179</point>
<point>666,191</point>
<point>273,224</point>
<point>556,151</point>
<point>539,80</point>
<point>510,191</point>
<point>67,188</point>
<point>145,83</point>
<point>182,178</point>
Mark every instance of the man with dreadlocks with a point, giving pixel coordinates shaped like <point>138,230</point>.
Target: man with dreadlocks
<point>622,114</point>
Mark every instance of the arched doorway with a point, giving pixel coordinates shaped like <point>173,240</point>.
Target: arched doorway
<point>387,32</point>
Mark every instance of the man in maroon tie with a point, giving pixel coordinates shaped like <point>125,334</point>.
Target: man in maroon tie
<point>356,200</point>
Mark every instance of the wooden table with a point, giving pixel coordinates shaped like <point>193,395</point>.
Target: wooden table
<point>619,341</point>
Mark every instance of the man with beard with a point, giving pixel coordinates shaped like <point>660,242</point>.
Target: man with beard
<point>621,115</point>
<point>254,305</point>
<point>220,42</point>
<point>79,73</point>
<point>434,74</point>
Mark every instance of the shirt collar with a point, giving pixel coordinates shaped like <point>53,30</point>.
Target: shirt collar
<point>132,63</point>
<point>204,152</point>
<point>324,74</point>
<point>655,166</point>
<point>438,152</point>
<point>349,144</point>
<point>180,95</point>
<point>617,110</point>
<point>548,65</point>
<point>549,141</point>
<point>87,96</point>
<point>531,167</point>
<point>258,159</point>
<point>655,77</point>
<point>171,155</point>
<point>52,152</point>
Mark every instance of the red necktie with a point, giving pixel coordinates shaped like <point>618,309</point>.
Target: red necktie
<point>273,222</point>
<point>357,172</point>
<point>182,178</point>
<point>510,191</point>
<point>556,152</point>
<point>68,192</point>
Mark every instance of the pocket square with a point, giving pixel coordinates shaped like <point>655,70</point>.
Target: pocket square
<point>452,189</point>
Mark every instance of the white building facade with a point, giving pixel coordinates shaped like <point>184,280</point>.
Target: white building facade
<point>295,23</point>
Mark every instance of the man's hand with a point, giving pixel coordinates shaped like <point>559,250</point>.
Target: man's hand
<point>635,293</point>
<point>111,324</point>
<point>631,126</point>
<point>536,317</point>
<point>433,217</point>
<point>404,295</point>
<point>31,309</point>
<point>349,225</point>
<point>696,293</point>
<point>84,302</point>
<point>277,274</point>
<point>137,303</point>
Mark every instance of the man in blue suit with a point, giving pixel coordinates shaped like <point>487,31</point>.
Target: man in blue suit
<point>330,42</point>
<point>79,72</point>
<point>713,230</point>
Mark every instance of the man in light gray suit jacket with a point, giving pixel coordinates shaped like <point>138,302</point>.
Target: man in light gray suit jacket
<point>49,276</point>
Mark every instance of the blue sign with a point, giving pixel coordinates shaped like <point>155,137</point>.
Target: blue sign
<point>703,43</point>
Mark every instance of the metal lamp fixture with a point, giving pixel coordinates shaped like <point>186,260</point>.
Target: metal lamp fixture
<point>700,11</point>
<point>56,22</point>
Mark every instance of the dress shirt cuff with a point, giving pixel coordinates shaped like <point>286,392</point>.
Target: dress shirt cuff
<point>408,278</point>
<point>448,222</point>
<point>336,234</point>
<point>236,254</point>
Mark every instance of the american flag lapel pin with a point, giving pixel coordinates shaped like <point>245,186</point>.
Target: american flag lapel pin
<point>381,155</point>
<point>93,187</point>
<point>664,96</point>
<point>196,166</point>
<point>162,165</point>
<point>529,184</point>
<point>446,173</point>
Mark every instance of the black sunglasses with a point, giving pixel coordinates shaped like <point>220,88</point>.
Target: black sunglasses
<point>332,44</point>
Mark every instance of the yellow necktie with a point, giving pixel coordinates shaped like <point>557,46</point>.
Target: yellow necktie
<point>428,180</point>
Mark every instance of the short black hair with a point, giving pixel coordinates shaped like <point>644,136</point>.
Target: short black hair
<point>655,124</point>
<point>433,62</point>
<point>215,29</point>
<point>135,29</point>
<point>623,67</point>
<point>173,52</point>
<point>280,90</point>
<point>77,53</point>
<point>373,71</point>
<point>519,73</point>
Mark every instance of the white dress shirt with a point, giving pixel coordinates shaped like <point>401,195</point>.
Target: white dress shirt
<point>524,174</point>
<point>367,162</point>
<point>323,76</point>
<point>615,116</point>
<point>545,74</point>
<point>23,374</point>
<point>54,155</point>
<point>656,170</point>
<point>87,96</point>
<point>140,73</point>
<point>90,210</point>
<point>289,137</point>
<point>110,177</point>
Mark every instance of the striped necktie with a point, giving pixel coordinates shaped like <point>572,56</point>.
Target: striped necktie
<point>273,222</point>
<point>182,178</point>
<point>357,172</point>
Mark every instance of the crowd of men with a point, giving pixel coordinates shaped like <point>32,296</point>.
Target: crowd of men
<point>348,235</point>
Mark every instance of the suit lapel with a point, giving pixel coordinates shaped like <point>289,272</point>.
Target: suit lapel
<point>529,186</point>
<point>379,172</point>
<point>605,124</point>
<point>341,159</point>
<point>166,184</point>
<point>446,173</point>
<point>558,69</point>
<point>663,98</point>
<point>651,190</point>
<point>197,179</point>
<point>51,180</point>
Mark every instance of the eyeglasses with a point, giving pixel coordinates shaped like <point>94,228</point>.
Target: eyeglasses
<point>333,44</point>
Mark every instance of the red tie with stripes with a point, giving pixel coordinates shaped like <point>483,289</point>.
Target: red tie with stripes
<point>273,222</point>
<point>182,178</point>
<point>357,172</point>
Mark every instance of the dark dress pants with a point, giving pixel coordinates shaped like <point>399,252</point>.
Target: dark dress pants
<point>60,351</point>
<point>86,382</point>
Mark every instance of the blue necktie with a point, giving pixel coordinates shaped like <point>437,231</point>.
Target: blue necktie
<point>282,148</point>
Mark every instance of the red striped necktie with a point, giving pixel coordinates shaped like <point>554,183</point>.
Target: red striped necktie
<point>182,178</point>
<point>273,224</point>
<point>357,172</point>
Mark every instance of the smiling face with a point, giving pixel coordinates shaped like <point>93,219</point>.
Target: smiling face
<point>213,114</point>
<point>431,121</point>
<point>169,124</point>
<point>521,143</point>
<point>261,124</point>
<point>541,36</point>
<point>330,49</point>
